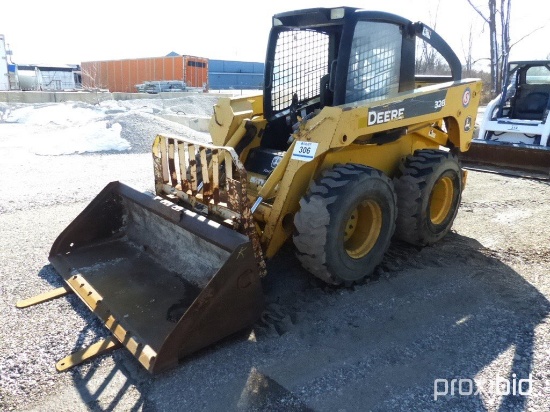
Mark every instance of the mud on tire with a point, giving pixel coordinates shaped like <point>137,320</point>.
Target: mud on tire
<point>428,196</point>
<point>345,223</point>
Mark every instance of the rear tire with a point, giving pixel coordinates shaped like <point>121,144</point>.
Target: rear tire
<point>345,223</point>
<point>428,196</point>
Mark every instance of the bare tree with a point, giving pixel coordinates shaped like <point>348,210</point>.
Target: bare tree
<point>467,50</point>
<point>428,60</point>
<point>499,37</point>
<point>493,42</point>
<point>505,46</point>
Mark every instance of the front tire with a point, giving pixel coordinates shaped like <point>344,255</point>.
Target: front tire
<point>345,223</point>
<point>428,196</point>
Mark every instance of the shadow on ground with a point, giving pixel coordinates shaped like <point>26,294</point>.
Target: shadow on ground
<point>429,316</point>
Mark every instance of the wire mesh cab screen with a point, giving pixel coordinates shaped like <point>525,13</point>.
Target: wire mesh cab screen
<point>301,59</point>
<point>375,61</point>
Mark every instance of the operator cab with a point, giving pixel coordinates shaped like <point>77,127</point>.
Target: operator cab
<point>519,115</point>
<point>528,95</point>
<point>337,56</point>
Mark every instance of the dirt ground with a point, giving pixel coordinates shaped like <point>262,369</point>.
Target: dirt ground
<point>462,326</point>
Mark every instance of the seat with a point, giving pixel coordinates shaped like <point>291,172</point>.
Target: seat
<point>530,102</point>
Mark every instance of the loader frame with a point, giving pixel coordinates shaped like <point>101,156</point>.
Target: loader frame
<point>374,129</point>
<point>174,271</point>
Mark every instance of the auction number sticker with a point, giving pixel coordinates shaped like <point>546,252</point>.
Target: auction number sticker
<point>304,151</point>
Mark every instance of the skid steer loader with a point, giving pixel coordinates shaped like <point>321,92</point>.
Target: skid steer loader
<point>514,133</point>
<point>348,146</point>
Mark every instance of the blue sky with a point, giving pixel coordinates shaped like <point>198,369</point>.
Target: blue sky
<point>64,32</point>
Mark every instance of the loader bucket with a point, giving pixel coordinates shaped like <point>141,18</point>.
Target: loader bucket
<point>530,161</point>
<point>165,281</point>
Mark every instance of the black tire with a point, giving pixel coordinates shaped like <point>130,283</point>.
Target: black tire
<point>345,223</point>
<point>428,196</point>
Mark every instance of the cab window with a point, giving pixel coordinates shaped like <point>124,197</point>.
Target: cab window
<point>375,61</point>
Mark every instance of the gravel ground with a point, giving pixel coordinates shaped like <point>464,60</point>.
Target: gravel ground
<point>462,326</point>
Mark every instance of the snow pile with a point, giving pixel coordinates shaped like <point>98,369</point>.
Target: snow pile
<point>95,136</point>
<point>111,126</point>
<point>67,128</point>
<point>61,114</point>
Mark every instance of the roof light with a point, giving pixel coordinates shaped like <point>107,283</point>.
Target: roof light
<point>337,13</point>
<point>277,22</point>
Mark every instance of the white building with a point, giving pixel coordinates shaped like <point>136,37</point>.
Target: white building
<point>36,76</point>
<point>48,77</point>
<point>58,77</point>
<point>29,77</point>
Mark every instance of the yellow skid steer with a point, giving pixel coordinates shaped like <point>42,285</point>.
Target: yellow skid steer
<point>350,144</point>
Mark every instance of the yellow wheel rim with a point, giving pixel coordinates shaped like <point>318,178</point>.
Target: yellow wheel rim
<point>362,229</point>
<point>441,200</point>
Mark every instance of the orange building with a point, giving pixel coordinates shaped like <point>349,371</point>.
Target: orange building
<point>124,75</point>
